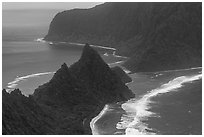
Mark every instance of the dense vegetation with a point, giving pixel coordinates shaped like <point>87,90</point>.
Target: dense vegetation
<point>157,36</point>
<point>67,103</point>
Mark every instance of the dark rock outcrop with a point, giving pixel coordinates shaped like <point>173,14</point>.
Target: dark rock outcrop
<point>156,36</point>
<point>22,115</point>
<point>96,75</point>
<point>123,76</point>
<point>90,77</point>
<point>69,100</point>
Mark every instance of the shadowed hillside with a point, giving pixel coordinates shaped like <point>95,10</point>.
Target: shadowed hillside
<point>157,36</point>
<point>67,103</point>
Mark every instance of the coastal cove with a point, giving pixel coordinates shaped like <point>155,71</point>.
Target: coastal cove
<point>26,83</point>
<point>53,94</point>
<point>113,68</point>
<point>115,117</point>
<point>132,117</point>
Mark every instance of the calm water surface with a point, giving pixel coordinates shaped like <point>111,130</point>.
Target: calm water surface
<point>22,55</point>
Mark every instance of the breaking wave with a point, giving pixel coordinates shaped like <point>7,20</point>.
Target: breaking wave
<point>40,40</point>
<point>13,84</point>
<point>92,123</point>
<point>138,110</point>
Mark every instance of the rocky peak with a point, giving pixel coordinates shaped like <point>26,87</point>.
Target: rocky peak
<point>88,51</point>
<point>96,75</point>
<point>71,98</point>
<point>90,67</point>
<point>89,55</point>
<point>63,73</point>
<point>64,68</point>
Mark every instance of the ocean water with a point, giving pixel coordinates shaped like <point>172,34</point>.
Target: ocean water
<point>27,61</point>
<point>167,103</point>
<point>161,98</point>
<point>21,54</point>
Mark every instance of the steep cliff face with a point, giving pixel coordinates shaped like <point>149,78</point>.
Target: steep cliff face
<point>123,76</point>
<point>67,103</point>
<point>107,22</point>
<point>97,76</point>
<point>90,78</point>
<point>157,36</point>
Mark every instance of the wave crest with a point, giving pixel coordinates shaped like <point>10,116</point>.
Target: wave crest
<point>138,110</point>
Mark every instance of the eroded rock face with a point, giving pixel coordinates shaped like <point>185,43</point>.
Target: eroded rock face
<point>70,99</point>
<point>156,36</point>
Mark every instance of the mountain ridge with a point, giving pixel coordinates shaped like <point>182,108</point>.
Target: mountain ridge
<point>152,34</point>
<point>69,100</point>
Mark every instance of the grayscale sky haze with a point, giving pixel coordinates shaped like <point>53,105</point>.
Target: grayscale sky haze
<point>47,5</point>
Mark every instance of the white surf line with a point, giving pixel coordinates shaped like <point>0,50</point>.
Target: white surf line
<point>14,83</point>
<point>126,71</point>
<point>79,44</point>
<point>41,40</point>
<point>93,121</point>
<point>96,46</point>
<point>120,62</point>
<point>178,70</point>
<point>137,110</point>
<point>105,54</point>
<point>114,63</point>
<point>114,54</point>
<point>129,82</point>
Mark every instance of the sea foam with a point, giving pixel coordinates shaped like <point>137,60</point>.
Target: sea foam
<point>14,83</point>
<point>92,123</point>
<point>138,110</point>
<point>40,40</point>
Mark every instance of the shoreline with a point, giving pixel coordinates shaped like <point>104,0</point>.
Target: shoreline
<point>17,81</point>
<point>11,85</point>
<point>107,120</point>
<point>104,110</point>
<point>81,44</point>
<point>141,109</point>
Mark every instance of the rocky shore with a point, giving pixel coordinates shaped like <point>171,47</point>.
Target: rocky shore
<point>68,102</point>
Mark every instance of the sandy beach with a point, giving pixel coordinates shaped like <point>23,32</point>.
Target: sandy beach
<point>105,123</point>
<point>164,103</point>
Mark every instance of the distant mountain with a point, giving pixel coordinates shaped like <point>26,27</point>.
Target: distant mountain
<point>68,101</point>
<point>157,36</point>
